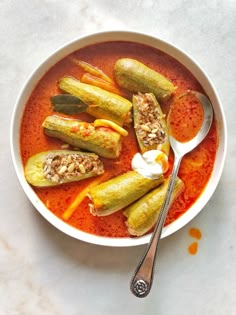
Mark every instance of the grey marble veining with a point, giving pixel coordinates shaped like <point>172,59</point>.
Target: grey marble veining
<point>43,271</point>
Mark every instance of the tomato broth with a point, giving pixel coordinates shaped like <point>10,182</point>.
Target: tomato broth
<point>195,169</point>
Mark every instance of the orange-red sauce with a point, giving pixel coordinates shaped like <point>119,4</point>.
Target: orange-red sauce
<point>196,233</point>
<point>196,167</point>
<point>193,248</point>
<point>185,118</point>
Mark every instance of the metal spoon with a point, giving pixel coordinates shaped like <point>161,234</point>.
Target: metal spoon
<point>141,281</point>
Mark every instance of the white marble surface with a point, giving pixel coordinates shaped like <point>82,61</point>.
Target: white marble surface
<point>43,271</point>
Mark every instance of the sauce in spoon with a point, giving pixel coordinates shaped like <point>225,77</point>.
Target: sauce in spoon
<point>185,117</point>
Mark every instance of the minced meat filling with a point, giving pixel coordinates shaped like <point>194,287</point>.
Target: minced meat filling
<point>148,127</point>
<point>58,168</point>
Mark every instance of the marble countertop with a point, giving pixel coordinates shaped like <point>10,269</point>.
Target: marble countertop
<point>43,271</point>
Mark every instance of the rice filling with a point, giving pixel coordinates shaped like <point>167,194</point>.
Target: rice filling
<point>148,126</point>
<point>61,167</point>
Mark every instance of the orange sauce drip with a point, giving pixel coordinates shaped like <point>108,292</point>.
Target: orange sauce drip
<point>196,233</point>
<point>186,118</point>
<point>195,169</point>
<point>193,248</point>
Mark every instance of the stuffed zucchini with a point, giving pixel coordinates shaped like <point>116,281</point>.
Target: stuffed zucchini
<point>149,123</point>
<point>51,168</point>
<point>101,140</point>
<point>119,192</point>
<point>137,77</point>
<point>143,214</point>
<point>101,103</point>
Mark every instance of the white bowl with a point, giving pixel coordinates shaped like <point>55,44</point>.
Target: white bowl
<point>183,58</point>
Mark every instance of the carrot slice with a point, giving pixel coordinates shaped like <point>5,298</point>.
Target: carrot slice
<point>78,200</point>
<point>92,70</point>
<point>93,80</point>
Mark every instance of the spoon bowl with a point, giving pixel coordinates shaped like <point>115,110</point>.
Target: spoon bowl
<point>142,279</point>
<point>183,148</point>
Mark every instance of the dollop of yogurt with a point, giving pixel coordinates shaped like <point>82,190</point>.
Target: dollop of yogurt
<point>151,164</point>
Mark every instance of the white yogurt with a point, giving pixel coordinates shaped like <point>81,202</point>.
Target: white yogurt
<point>151,164</point>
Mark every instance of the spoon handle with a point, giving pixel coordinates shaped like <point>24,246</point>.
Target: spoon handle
<point>141,281</point>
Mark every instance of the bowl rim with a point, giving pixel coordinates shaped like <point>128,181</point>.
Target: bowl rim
<point>63,51</point>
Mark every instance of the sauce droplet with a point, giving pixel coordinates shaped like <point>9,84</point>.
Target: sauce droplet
<point>196,233</point>
<point>193,248</point>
